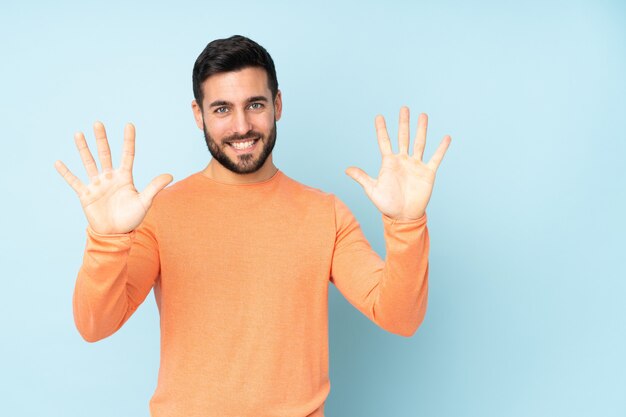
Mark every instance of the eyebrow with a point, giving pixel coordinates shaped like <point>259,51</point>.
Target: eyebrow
<point>228,103</point>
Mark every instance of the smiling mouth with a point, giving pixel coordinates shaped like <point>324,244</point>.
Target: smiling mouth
<point>241,145</point>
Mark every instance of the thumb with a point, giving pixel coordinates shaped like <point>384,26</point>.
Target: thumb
<point>154,187</point>
<point>361,177</point>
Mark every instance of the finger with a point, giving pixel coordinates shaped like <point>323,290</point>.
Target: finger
<point>420,137</point>
<point>104,152</point>
<point>70,178</point>
<point>362,178</point>
<point>128,152</point>
<point>404,131</point>
<point>85,155</point>
<point>153,188</point>
<point>435,161</point>
<point>383,137</point>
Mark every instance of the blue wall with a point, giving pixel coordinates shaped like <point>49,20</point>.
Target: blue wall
<point>526,314</point>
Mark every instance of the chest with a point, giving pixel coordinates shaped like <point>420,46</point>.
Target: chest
<point>243,251</point>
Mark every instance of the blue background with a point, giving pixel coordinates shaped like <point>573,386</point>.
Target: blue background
<point>527,282</point>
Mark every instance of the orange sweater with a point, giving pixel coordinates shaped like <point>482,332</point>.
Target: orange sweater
<point>240,275</point>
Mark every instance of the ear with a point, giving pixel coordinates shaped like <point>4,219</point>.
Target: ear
<point>278,105</point>
<point>197,114</point>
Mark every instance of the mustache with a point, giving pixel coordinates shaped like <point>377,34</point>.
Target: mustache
<point>250,135</point>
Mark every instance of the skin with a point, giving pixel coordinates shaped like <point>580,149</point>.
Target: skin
<point>239,104</point>
<point>110,200</point>
<point>235,104</point>
<point>405,183</point>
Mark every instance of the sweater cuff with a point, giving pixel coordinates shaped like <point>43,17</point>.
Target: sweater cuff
<point>405,236</point>
<point>416,222</point>
<point>109,242</point>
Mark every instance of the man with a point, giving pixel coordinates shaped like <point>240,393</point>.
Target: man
<point>240,255</point>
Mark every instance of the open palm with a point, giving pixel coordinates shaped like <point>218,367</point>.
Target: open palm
<point>110,201</point>
<point>405,183</point>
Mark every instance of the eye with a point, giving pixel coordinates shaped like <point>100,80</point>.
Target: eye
<point>256,106</point>
<point>221,110</point>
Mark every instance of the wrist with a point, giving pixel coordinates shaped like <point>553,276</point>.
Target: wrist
<point>94,232</point>
<point>404,219</point>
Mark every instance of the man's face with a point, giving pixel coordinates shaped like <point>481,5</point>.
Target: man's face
<point>239,118</point>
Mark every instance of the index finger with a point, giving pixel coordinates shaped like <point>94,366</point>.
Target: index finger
<point>70,178</point>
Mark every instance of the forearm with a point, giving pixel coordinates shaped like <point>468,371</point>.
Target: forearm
<point>401,295</point>
<point>100,300</point>
<point>392,292</point>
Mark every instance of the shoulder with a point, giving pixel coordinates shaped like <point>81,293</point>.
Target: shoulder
<point>300,191</point>
<point>183,186</point>
<point>312,198</point>
<point>176,193</point>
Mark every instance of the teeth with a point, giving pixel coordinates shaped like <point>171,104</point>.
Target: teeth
<point>242,145</point>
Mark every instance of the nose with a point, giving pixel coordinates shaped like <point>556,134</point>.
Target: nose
<point>241,123</point>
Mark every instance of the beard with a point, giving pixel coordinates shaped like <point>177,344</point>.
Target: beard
<point>245,163</point>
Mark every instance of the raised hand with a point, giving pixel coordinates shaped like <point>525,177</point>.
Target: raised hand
<point>405,183</point>
<point>110,201</point>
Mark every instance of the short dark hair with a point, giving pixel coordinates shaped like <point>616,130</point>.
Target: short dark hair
<point>231,54</point>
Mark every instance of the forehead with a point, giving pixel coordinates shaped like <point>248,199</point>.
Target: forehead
<point>235,86</point>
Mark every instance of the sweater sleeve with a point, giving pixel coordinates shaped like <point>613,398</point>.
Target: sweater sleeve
<point>391,293</point>
<point>117,273</point>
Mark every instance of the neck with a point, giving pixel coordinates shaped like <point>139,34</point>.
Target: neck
<point>218,172</point>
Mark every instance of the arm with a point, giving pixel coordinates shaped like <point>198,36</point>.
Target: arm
<point>391,293</point>
<point>117,273</point>
<point>121,260</point>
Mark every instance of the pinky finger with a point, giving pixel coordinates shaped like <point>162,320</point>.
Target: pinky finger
<point>435,161</point>
<point>70,178</point>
